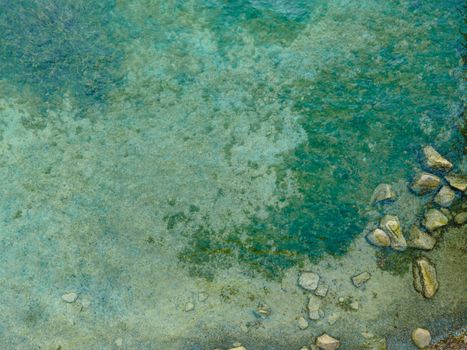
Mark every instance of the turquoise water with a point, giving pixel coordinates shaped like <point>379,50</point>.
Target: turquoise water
<point>206,134</point>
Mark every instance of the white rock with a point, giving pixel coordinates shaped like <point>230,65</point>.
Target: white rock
<point>424,183</point>
<point>302,323</point>
<point>378,238</point>
<point>314,308</point>
<point>69,297</point>
<point>421,338</point>
<point>434,219</point>
<point>119,342</point>
<point>445,196</point>
<point>322,290</point>
<point>435,161</point>
<point>308,280</point>
<point>360,279</point>
<point>203,296</point>
<point>189,307</point>
<point>327,342</point>
<point>420,240</point>
<point>459,182</point>
<point>383,192</point>
<point>391,225</point>
<point>354,305</point>
<point>238,348</point>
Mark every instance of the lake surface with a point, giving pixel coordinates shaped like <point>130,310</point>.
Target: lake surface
<point>155,150</point>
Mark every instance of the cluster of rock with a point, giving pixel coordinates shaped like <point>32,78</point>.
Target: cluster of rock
<point>446,188</point>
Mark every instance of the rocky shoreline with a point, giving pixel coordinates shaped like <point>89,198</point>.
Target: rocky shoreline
<point>445,196</point>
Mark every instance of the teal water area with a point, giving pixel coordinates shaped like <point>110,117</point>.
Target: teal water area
<point>208,133</point>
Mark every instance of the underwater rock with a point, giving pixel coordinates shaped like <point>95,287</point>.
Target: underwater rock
<point>326,342</point>
<point>189,307</point>
<point>378,238</point>
<point>203,296</point>
<point>314,308</point>
<point>461,218</point>
<point>424,277</point>
<point>262,311</point>
<point>238,348</point>
<point>436,161</point>
<point>421,338</point>
<point>119,342</point>
<point>445,196</point>
<point>424,183</point>
<point>308,280</point>
<point>459,182</point>
<point>383,192</point>
<point>360,279</point>
<point>391,225</point>
<point>69,297</point>
<point>420,240</point>
<point>322,290</point>
<point>302,323</point>
<point>434,219</point>
<point>332,319</point>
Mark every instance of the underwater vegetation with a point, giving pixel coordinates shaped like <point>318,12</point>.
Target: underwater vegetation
<point>54,47</point>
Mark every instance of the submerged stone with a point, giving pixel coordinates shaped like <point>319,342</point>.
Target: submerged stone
<point>302,323</point>
<point>360,279</point>
<point>424,277</point>
<point>424,183</point>
<point>308,280</point>
<point>378,238</point>
<point>434,219</point>
<point>421,338</point>
<point>436,161</point>
<point>326,342</point>
<point>391,225</point>
<point>69,297</point>
<point>461,218</point>
<point>459,182</point>
<point>445,196</point>
<point>314,308</point>
<point>383,192</point>
<point>420,240</point>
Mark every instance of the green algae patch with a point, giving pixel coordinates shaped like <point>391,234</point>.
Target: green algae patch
<point>54,48</point>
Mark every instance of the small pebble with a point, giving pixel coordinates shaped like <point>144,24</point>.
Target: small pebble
<point>189,307</point>
<point>302,323</point>
<point>69,297</point>
<point>308,280</point>
<point>322,290</point>
<point>203,296</point>
<point>119,342</point>
<point>421,338</point>
<point>360,279</point>
<point>461,218</point>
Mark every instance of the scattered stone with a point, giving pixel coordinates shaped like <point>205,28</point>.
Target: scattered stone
<point>263,311</point>
<point>420,240</point>
<point>434,219</point>
<point>378,238</point>
<point>189,307</point>
<point>69,297</point>
<point>237,344</point>
<point>203,296</point>
<point>314,308</point>
<point>461,218</point>
<point>327,342</point>
<point>238,348</point>
<point>459,182</point>
<point>435,161</point>
<point>360,279</point>
<point>304,348</point>
<point>383,192</point>
<point>333,319</point>
<point>302,323</point>
<point>391,225</point>
<point>446,212</point>
<point>308,280</point>
<point>322,290</point>
<point>445,196</point>
<point>424,277</point>
<point>424,183</point>
<point>421,338</point>
<point>354,305</point>
<point>119,342</point>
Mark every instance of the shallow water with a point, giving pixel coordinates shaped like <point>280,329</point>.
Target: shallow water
<point>154,150</point>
